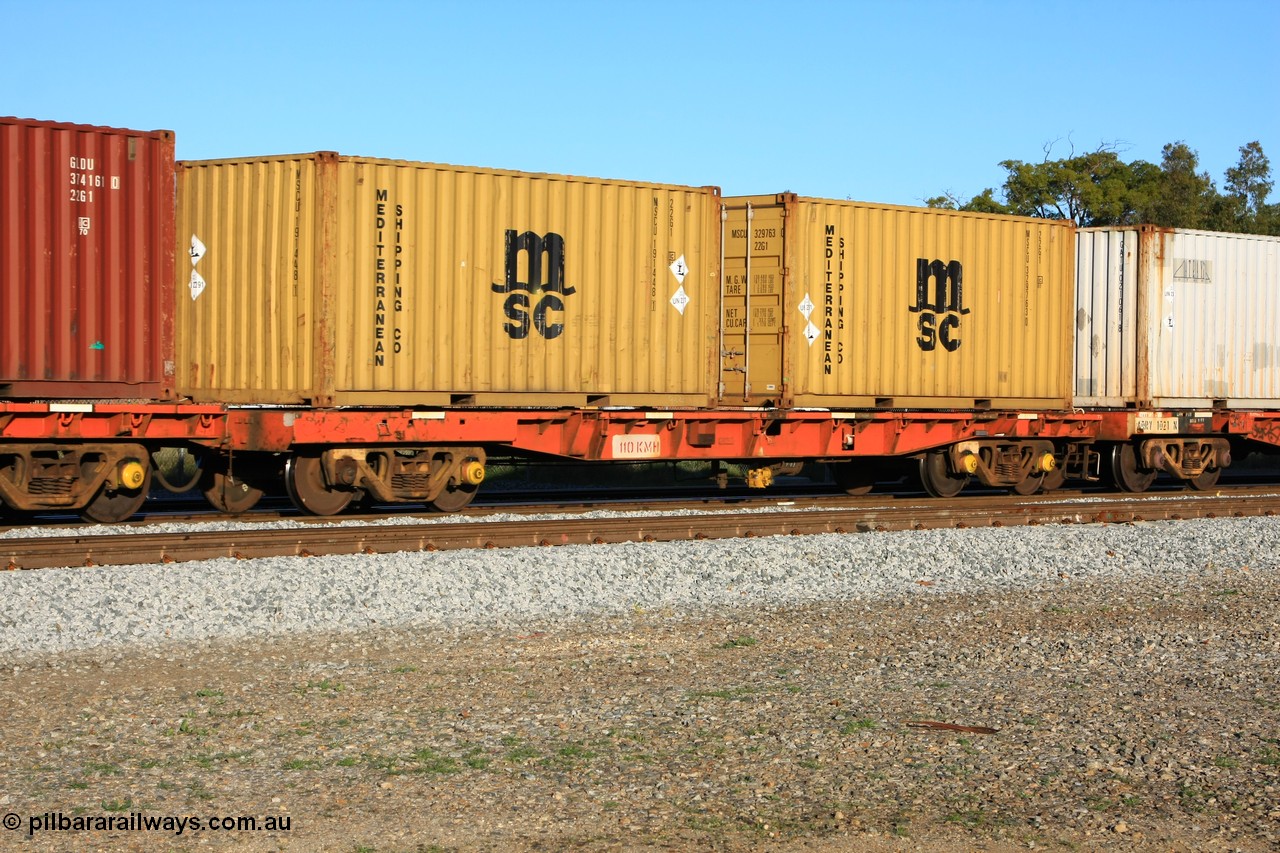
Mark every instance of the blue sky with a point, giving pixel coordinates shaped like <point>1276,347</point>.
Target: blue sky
<point>878,101</point>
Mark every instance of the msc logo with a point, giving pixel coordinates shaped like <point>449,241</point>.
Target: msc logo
<point>940,316</point>
<point>549,292</point>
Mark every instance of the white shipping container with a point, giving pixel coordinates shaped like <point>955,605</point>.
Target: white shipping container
<point>1171,318</point>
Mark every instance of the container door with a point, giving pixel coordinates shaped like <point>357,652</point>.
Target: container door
<point>751,297</point>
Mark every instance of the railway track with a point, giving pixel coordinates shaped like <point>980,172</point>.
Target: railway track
<point>195,511</point>
<point>838,516</point>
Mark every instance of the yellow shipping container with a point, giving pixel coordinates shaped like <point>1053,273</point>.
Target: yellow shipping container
<point>848,304</point>
<point>354,281</point>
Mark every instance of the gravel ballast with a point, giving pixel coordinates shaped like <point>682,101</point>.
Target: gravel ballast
<point>62,610</point>
<point>1106,686</point>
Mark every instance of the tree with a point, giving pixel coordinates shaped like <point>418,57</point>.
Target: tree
<point>1248,185</point>
<point>1250,179</point>
<point>1095,188</point>
<point>1269,220</point>
<point>1183,197</point>
<point>984,202</point>
<point>1098,188</point>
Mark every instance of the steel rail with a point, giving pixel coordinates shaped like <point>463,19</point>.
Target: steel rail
<point>990,511</point>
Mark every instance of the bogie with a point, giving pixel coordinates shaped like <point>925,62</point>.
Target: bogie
<point>327,481</point>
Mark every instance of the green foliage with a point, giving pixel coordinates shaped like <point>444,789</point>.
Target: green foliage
<point>1099,188</point>
<point>986,202</point>
<point>1087,188</point>
<point>1183,197</point>
<point>1249,181</point>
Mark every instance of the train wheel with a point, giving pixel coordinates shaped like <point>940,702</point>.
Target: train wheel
<point>856,478</point>
<point>1207,480</point>
<point>227,493</point>
<point>453,498</point>
<point>1125,471</point>
<point>935,477</point>
<point>304,480</point>
<point>1031,484</point>
<point>1054,479</point>
<point>111,505</point>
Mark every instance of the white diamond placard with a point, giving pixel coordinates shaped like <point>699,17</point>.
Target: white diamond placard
<point>680,269</point>
<point>806,306</point>
<point>811,333</point>
<point>197,285</point>
<point>680,300</point>
<point>197,250</point>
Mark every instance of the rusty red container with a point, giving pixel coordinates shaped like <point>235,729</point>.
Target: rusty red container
<point>86,261</point>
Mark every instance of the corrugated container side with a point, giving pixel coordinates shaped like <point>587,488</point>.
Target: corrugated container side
<point>1107,298</point>
<point>1214,318</point>
<point>413,283</point>
<point>248,300</point>
<point>903,307</point>
<point>86,254</point>
<point>434,250</point>
<point>1177,318</point>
